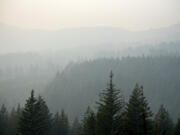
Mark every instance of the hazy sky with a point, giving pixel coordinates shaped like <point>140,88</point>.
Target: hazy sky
<point>56,14</point>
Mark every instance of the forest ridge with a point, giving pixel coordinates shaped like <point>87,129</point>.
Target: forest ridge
<point>113,116</point>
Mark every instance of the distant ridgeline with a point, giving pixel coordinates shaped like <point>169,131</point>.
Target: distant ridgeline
<point>79,84</point>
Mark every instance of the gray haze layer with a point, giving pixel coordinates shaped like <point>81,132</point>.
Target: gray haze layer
<point>36,59</point>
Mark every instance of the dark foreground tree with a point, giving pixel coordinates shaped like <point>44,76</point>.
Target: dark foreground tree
<point>35,119</point>
<point>43,117</point>
<point>110,108</point>
<point>89,123</point>
<point>138,114</point>
<point>27,123</point>
<point>163,122</point>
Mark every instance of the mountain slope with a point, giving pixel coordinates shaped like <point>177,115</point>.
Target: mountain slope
<point>80,83</point>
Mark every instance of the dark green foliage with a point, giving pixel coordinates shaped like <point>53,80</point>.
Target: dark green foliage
<point>164,122</point>
<point>35,119</point>
<point>43,117</point>
<point>60,124</point>
<point>138,114</point>
<point>3,120</point>
<point>27,123</point>
<point>89,123</point>
<point>110,107</point>
<point>177,128</point>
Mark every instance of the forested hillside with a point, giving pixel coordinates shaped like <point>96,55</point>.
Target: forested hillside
<point>78,85</point>
<point>25,71</point>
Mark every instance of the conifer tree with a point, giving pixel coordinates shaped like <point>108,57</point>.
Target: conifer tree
<point>35,118</point>
<point>89,122</point>
<point>164,122</point>
<point>138,114</point>
<point>43,117</point>
<point>110,108</point>
<point>27,123</point>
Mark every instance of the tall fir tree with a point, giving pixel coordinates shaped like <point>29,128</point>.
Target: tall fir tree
<point>138,114</point>
<point>164,122</point>
<point>89,123</point>
<point>27,123</point>
<point>35,118</point>
<point>43,117</point>
<point>110,108</point>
